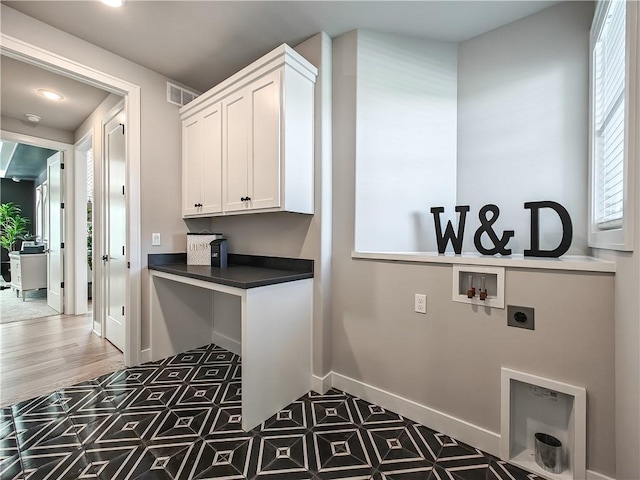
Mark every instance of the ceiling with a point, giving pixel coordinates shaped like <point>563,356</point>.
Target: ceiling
<point>18,92</point>
<point>27,161</point>
<point>19,96</point>
<point>200,43</point>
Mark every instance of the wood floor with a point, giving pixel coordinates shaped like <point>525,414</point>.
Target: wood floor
<point>43,355</point>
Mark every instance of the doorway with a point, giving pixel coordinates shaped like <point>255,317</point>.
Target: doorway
<point>49,61</point>
<point>32,233</point>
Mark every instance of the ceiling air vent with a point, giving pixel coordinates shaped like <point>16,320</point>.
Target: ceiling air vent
<point>178,95</point>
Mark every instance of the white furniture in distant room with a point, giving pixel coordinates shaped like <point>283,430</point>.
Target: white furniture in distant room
<point>28,272</point>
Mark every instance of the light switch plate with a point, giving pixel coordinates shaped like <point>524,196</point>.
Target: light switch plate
<point>155,239</point>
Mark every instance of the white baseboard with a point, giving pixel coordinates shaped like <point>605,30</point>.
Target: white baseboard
<point>321,384</point>
<point>234,346</point>
<point>464,431</point>
<point>591,475</point>
<point>474,435</point>
<point>145,355</point>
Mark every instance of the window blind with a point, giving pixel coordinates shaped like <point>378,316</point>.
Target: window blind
<point>90,174</point>
<point>609,115</point>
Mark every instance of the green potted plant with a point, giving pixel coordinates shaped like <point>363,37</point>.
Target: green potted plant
<point>13,227</point>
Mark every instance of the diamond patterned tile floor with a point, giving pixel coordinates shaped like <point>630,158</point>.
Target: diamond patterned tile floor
<point>179,418</point>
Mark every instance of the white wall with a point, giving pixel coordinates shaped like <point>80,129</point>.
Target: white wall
<point>160,183</point>
<point>522,123</point>
<point>406,139</point>
<point>33,129</point>
<point>449,360</point>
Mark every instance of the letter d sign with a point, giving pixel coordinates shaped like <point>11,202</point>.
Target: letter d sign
<point>567,230</point>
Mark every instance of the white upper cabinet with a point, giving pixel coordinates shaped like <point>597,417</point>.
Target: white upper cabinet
<point>202,173</point>
<point>248,142</point>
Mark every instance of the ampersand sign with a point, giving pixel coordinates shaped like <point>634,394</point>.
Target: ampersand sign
<point>499,244</point>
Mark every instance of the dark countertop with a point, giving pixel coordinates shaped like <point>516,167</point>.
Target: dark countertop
<point>244,271</point>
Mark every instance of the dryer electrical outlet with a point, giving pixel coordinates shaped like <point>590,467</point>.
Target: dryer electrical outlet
<point>521,317</point>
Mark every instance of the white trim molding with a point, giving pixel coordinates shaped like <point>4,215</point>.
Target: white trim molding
<point>575,429</point>
<point>457,428</point>
<point>622,237</point>
<point>321,385</point>
<point>479,437</point>
<point>591,475</point>
<point>566,262</point>
<point>228,343</point>
<point>145,355</point>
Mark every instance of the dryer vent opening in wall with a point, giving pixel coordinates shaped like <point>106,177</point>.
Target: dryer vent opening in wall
<point>178,95</point>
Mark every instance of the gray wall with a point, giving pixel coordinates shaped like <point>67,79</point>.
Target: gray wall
<point>522,123</point>
<point>406,140</point>
<point>23,194</point>
<point>35,130</point>
<point>450,359</point>
<point>294,235</point>
<point>160,184</point>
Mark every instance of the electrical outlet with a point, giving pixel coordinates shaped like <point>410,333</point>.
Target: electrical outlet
<point>420,303</point>
<point>520,317</point>
<point>155,239</point>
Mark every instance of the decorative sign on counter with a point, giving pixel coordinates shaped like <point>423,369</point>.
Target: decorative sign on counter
<point>488,215</point>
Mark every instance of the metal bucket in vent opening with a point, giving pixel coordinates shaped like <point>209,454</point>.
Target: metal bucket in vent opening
<point>549,453</point>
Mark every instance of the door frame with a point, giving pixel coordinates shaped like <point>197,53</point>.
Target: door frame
<point>80,204</point>
<point>29,53</point>
<point>67,149</point>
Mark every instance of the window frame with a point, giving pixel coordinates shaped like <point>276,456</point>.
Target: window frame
<point>620,237</point>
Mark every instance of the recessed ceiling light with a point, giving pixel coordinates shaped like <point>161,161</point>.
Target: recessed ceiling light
<point>50,94</point>
<point>32,117</point>
<point>113,3</point>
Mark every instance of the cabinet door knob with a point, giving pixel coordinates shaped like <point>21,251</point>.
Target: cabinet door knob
<point>242,199</point>
<point>248,199</point>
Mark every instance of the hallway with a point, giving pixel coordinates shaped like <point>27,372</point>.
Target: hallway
<point>45,354</point>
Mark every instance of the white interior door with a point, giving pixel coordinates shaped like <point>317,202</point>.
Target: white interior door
<point>55,256</point>
<point>115,231</point>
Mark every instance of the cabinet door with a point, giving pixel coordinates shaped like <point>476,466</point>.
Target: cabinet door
<point>264,144</point>
<point>192,157</point>
<point>16,273</point>
<point>212,160</point>
<point>236,152</point>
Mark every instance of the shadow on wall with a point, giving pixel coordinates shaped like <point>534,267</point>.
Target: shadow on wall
<point>271,234</point>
